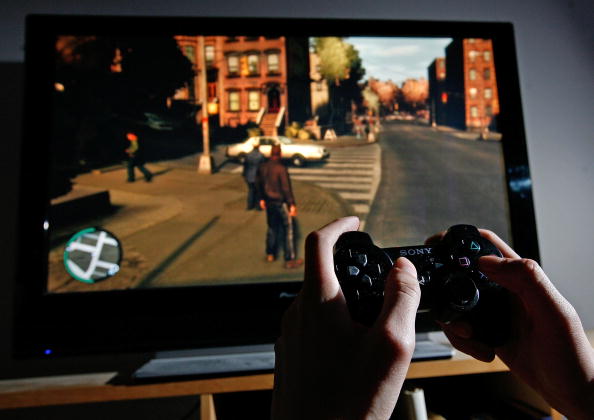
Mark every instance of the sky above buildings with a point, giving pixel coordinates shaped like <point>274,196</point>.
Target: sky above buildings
<point>398,59</point>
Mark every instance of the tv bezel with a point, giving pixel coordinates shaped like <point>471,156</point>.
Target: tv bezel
<point>188,317</point>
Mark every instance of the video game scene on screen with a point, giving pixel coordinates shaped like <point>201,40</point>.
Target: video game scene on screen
<point>165,166</point>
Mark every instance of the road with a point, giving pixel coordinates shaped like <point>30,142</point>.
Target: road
<point>432,180</point>
<point>353,173</point>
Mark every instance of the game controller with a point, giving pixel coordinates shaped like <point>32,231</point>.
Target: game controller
<point>452,287</point>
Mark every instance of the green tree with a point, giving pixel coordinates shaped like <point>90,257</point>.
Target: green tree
<point>334,58</point>
<point>371,100</point>
<point>342,67</point>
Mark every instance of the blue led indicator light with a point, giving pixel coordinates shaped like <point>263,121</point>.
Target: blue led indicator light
<point>47,352</point>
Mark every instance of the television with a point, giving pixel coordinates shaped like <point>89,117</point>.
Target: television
<point>419,123</point>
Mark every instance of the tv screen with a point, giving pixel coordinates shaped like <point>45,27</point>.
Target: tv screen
<point>141,224</point>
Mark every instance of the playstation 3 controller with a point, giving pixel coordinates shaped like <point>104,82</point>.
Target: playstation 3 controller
<point>452,287</point>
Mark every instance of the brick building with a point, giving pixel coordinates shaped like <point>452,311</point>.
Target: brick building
<point>468,97</point>
<point>264,80</point>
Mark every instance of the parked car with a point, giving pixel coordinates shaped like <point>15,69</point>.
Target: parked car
<point>297,153</point>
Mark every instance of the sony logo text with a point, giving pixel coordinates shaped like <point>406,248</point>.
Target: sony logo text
<point>418,251</point>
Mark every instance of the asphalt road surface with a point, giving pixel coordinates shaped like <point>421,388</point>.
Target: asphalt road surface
<point>432,180</point>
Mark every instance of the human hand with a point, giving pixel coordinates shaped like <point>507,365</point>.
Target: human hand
<point>263,204</point>
<point>293,211</point>
<point>327,365</point>
<point>548,348</point>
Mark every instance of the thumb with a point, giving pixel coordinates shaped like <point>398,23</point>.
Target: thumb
<point>401,296</point>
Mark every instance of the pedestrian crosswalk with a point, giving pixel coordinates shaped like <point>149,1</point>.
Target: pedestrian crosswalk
<point>351,172</point>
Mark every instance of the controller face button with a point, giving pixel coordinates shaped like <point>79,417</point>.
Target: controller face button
<point>474,247</point>
<point>464,262</point>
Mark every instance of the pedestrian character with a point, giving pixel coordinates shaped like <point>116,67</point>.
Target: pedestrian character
<point>250,170</point>
<point>136,158</point>
<point>274,186</point>
<point>358,127</point>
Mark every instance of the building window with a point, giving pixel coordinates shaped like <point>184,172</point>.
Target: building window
<point>253,100</point>
<point>209,54</point>
<point>234,101</point>
<point>488,93</point>
<point>473,91</point>
<point>253,61</point>
<point>231,39</point>
<point>233,64</point>
<point>252,38</point>
<point>489,111</point>
<point>473,54</point>
<point>273,63</point>
<point>487,74</point>
<point>472,74</point>
<point>474,111</point>
<point>487,55</point>
<point>190,52</point>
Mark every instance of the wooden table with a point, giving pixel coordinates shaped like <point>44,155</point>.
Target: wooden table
<point>92,388</point>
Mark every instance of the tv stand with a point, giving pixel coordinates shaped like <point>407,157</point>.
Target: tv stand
<point>183,364</point>
<point>212,361</point>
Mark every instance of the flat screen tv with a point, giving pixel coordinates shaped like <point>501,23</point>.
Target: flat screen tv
<point>135,232</point>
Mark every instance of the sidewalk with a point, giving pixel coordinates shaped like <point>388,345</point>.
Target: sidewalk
<point>467,135</point>
<point>187,229</point>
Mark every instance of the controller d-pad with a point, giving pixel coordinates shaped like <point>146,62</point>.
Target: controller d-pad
<point>366,281</point>
<point>353,271</point>
<point>361,259</point>
<point>374,270</point>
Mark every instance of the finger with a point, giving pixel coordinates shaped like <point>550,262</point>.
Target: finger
<point>473,348</point>
<point>505,249</point>
<point>522,277</point>
<point>320,282</point>
<point>401,297</point>
<point>432,240</point>
<point>460,329</point>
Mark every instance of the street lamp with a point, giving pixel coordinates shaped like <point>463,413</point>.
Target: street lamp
<point>205,163</point>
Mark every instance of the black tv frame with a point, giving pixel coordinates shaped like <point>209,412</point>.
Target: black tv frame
<point>189,317</point>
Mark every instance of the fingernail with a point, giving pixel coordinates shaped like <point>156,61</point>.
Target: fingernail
<point>405,264</point>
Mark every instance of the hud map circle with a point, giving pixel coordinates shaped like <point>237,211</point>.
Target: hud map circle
<point>92,255</point>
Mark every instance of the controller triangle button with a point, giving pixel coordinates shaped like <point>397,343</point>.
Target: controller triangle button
<point>474,246</point>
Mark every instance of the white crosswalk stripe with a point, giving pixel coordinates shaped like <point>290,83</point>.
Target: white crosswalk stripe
<point>353,173</point>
